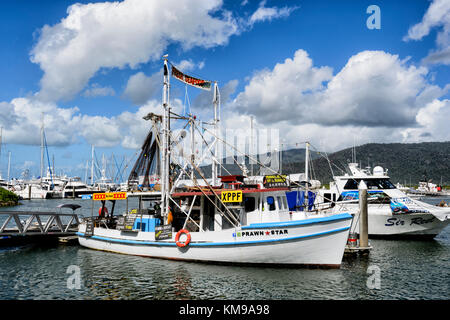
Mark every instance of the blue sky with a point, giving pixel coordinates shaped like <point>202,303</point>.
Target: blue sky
<point>354,83</point>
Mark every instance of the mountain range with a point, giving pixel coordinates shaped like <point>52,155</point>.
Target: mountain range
<point>407,163</point>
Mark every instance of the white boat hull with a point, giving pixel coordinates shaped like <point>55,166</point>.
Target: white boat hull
<point>319,243</point>
<point>382,223</point>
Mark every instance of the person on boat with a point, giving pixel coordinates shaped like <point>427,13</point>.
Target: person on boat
<point>103,212</point>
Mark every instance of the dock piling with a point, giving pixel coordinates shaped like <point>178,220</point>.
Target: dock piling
<point>363,218</point>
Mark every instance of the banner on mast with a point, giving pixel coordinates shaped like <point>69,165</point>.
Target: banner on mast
<point>202,84</point>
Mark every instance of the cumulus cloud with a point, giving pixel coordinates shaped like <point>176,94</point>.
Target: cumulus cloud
<point>433,123</point>
<point>7,115</point>
<point>375,96</point>
<point>95,90</point>
<point>437,16</point>
<point>107,35</point>
<point>140,88</point>
<point>204,99</point>
<point>66,126</point>
<point>371,85</point>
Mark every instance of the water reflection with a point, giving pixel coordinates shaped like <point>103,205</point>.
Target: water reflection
<point>408,270</point>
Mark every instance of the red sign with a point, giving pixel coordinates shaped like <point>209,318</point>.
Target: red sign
<point>199,83</point>
<point>109,196</point>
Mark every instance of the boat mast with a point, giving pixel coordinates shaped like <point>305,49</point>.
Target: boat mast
<point>165,144</point>
<point>216,102</point>
<point>42,145</point>
<point>92,164</point>
<point>9,165</point>
<point>307,175</point>
<point>251,145</point>
<point>192,133</point>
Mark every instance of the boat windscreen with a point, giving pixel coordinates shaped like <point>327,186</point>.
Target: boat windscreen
<point>352,184</point>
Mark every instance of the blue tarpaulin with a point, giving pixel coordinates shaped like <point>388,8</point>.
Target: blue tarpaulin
<point>296,200</point>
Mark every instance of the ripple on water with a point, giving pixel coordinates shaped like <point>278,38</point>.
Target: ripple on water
<point>408,270</point>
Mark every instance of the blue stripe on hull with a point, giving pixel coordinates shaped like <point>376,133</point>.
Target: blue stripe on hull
<point>341,216</point>
<point>210,244</point>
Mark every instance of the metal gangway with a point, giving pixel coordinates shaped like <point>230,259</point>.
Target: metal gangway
<point>31,226</point>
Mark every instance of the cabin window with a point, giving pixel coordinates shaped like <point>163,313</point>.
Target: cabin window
<point>271,203</point>
<point>285,203</point>
<point>327,197</point>
<point>352,184</point>
<point>249,204</point>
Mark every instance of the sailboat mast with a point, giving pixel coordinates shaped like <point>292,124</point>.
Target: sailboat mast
<point>92,165</point>
<point>9,165</point>
<point>307,175</point>
<point>42,146</point>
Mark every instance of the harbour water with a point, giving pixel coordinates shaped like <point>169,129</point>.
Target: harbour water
<point>394,269</point>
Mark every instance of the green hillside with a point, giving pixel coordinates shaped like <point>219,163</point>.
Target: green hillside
<point>406,163</point>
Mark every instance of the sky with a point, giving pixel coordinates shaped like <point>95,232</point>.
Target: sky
<point>334,73</point>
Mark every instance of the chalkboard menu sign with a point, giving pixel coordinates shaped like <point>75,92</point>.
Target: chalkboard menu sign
<point>126,223</point>
<point>163,232</point>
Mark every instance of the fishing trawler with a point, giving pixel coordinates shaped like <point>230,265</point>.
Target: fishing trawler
<point>223,219</point>
<point>391,213</point>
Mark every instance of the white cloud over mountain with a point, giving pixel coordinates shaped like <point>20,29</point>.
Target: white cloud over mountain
<point>375,96</point>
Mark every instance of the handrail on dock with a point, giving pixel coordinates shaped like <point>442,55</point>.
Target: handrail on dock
<point>54,218</point>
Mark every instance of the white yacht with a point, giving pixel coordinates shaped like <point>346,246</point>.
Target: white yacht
<point>31,190</point>
<point>76,188</point>
<point>391,212</point>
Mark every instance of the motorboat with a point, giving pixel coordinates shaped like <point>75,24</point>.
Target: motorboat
<point>75,188</point>
<point>391,212</point>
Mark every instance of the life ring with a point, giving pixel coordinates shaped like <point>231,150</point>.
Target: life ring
<point>177,238</point>
<point>105,211</point>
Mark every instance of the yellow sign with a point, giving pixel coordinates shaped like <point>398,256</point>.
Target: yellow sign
<point>231,196</point>
<point>109,196</point>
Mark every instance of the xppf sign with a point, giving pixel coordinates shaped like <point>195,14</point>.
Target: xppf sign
<point>232,196</point>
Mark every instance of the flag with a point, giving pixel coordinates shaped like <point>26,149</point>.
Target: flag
<point>202,84</point>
